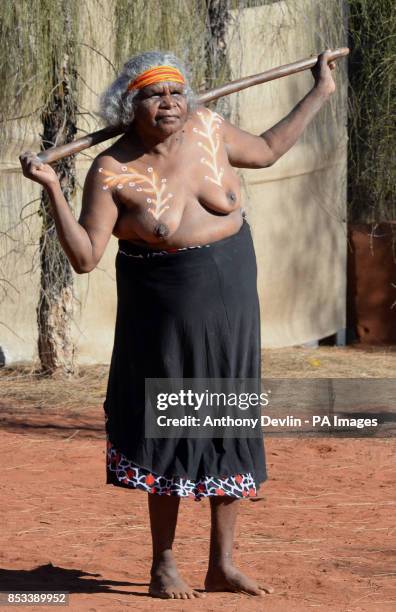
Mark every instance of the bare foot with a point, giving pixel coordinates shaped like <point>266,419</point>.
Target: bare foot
<point>231,579</point>
<point>166,582</point>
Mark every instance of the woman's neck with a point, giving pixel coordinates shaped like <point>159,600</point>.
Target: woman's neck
<point>161,145</point>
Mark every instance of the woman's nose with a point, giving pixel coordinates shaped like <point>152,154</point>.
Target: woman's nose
<point>167,101</point>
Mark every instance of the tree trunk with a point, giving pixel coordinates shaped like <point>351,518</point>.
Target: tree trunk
<point>218,70</point>
<point>55,307</point>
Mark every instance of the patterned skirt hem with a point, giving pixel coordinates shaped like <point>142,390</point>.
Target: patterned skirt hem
<point>124,473</point>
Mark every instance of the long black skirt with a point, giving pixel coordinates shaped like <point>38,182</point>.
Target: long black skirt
<point>190,313</point>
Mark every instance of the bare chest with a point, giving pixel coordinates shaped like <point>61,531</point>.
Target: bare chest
<point>154,192</point>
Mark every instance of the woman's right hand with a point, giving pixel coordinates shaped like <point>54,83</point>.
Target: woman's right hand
<point>34,169</point>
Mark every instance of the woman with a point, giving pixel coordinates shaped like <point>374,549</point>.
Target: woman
<point>186,286</point>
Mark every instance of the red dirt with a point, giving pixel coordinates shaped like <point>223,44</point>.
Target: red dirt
<point>322,534</point>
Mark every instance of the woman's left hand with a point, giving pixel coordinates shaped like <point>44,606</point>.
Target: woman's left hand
<point>321,72</point>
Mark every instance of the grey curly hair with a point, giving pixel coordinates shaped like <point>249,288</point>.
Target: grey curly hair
<point>116,104</point>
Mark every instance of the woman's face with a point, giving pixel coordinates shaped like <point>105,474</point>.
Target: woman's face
<point>161,107</point>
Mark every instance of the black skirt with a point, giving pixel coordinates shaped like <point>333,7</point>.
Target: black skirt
<point>191,313</point>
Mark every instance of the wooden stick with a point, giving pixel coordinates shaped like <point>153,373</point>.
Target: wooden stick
<point>55,153</point>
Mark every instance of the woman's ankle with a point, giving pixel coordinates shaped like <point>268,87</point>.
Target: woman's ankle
<point>162,558</point>
<point>220,563</point>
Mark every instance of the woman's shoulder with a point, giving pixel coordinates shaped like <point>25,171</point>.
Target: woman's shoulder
<point>109,159</point>
<point>104,165</point>
<point>201,111</point>
<point>206,121</point>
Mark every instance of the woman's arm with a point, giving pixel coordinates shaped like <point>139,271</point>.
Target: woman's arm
<point>85,240</point>
<point>248,151</point>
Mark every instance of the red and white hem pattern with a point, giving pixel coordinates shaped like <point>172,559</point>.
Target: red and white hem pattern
<point>130,475</point>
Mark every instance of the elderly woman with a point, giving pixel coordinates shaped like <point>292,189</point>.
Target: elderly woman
<point>186,287</point>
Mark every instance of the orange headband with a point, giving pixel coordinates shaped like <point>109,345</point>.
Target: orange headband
<point>156,75</point>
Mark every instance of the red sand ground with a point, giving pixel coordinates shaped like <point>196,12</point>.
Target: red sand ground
<point>323,533</point>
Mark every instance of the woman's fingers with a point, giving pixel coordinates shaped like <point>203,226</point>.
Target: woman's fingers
<point>35,164</point>
<point>38,164</point>
<point>322,73</point>
<point>324,57</point>
<point>28,157</point>
<point>30,161</point>
<point>324,62</point>
<point>35,169</point>
<point>35,161</point>
<point>331,64</point>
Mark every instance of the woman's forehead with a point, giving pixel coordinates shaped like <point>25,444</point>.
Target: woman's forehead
<point>158,87</point>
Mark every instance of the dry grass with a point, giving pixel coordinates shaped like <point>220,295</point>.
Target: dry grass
<point>19,383</point>
<point>330,362</point>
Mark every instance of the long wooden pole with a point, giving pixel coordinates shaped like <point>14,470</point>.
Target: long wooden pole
<point>54,153</point>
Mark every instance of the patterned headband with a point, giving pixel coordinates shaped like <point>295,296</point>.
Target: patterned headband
<point>156,75</point>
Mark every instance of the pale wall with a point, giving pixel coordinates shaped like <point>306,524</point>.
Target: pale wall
<point>297,207</point>
<point>19,264</point>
